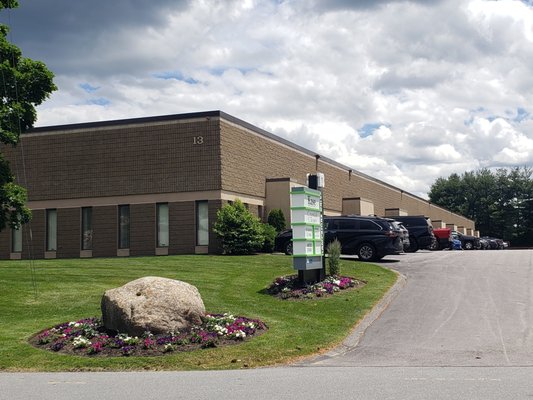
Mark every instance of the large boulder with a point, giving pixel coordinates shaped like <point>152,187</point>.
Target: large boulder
<point>159,305</point>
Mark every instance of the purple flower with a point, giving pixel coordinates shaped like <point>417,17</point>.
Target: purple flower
<point>57,345</point>
<point>127,350</point>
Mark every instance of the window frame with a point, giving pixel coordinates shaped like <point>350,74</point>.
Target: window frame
<point>16,238</point>
<point>86,226</point>
<point>124,227</point>
<point>51,229</point>
<point>202,236</point>
<point>160,226</point>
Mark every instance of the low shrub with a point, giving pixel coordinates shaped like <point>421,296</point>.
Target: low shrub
<point>334,257</point>
<point>269,233</point>
<point>276,218</point>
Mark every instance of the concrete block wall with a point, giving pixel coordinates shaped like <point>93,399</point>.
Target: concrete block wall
<point>87,162</point>
<point>105,231</point>
<point>142,229</point>
<point>265,159</point>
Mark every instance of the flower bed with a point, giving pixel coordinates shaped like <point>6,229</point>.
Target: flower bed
<point>89,337</point>
<point>289,287</point>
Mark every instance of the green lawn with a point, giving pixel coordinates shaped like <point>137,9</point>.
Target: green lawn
<point>44,293</point>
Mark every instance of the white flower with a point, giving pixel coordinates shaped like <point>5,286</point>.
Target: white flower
<point>220,330</point>
<point>80,341</point>
<point>239,334</point>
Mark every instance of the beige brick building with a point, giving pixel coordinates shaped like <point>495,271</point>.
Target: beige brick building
<point>152,186</point>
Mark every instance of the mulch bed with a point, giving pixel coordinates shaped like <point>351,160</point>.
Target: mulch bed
<point>290,287</point>
<point>89,338</point>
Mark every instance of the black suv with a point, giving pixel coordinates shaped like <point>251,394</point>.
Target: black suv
<point>370,238</point>
<point>420,231</point>
<point>467,242</point>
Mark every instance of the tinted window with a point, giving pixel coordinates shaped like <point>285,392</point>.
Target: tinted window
<point>369,225</point>
<point>346,224</point>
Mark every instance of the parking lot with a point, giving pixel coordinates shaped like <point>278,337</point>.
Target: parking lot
<point>457,308</point>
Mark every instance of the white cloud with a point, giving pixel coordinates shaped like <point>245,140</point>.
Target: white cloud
<point>446,85</point>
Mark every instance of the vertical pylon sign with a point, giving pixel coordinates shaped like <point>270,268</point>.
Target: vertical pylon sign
<point>306,223</point>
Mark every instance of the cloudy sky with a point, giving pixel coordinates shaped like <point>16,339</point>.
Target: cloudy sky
<point>405,91</point>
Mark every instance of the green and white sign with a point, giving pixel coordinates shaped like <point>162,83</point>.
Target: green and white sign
<point>306,223</point>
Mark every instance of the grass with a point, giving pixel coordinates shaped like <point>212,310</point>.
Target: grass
<point>38,295</point>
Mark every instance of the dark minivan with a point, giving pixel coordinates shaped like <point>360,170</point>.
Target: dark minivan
<point>420,231</point>
<point>370,238</point>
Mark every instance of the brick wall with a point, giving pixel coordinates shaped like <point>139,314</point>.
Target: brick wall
<point>105,231</point>
<point>38,236</point>
<point>5,243</point>
<point>142,229</point>
<point>182,225</point>
<point>120,160</point>
<point>68,233</point>
<point>248,159</point>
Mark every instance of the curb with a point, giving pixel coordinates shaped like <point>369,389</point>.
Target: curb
<point>353,339</point>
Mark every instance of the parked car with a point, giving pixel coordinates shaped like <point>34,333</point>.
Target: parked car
<point>370,238</point>
<point>443,239</point>
<point>494,243</point>
<point>283,242</point>
<point>456,244</point>
<point>403,232</point>
<point>420,231</point>
<point>484,243</point>
<point>467,242</point>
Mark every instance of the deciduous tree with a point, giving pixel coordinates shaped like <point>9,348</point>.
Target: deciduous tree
<point>500,202</point>
<point>24,84</point>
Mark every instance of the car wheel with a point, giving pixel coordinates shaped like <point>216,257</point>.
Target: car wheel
<point>366,252</point>
<point>469,245</point>
<point>413,245</point>
<point>288,248</point>
<point>434,245</point>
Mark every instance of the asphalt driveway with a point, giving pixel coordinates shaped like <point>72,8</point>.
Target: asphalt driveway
<point>460,308</point>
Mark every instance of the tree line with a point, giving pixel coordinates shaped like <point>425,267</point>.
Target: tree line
<point>500,201</point>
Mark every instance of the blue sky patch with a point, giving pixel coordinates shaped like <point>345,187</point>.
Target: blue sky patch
<point>521,114</point>
<point>101,101</point>
<point>88,87</point>
<point>219,71</point>
<point>368,129</point>
<point>176,75</point>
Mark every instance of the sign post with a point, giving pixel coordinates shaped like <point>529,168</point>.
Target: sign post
<point>307,233</point>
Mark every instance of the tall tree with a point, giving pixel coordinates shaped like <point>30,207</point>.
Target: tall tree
<point>24,84</point>
<point>500,202</point>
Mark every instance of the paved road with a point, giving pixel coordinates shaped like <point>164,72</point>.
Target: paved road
<point>294,383</point>
<point>461,308</point>
<point>461,327</point>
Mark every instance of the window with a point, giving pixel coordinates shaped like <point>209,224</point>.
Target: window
<point>202,223</point>
<point>124,227</point>
<point>162,225</point>
<point>16,240</point>
<point>51,230</point>
<point>369,225</point>
<point>348,224</point>
<point>87,228</point>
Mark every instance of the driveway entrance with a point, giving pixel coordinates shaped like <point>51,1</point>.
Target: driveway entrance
<point>457,308</point>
